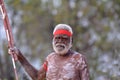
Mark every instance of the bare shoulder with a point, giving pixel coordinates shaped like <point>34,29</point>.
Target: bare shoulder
<point>78,56</point>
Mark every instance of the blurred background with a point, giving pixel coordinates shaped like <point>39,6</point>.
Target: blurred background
<point>96,26</point>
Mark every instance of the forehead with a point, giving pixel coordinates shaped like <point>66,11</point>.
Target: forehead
<point>62,35</point>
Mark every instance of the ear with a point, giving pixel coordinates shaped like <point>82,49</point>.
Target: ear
<point>72,40</point>
<point>70,45</point>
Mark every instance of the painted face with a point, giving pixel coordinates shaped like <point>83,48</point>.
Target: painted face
<point>61,44</point>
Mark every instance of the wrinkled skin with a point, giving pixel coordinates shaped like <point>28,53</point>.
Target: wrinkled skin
<point>61,44</point>
<point>63,64</point>
<point>72,66</point>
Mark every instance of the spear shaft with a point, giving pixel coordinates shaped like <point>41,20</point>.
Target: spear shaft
<point>8,33</point>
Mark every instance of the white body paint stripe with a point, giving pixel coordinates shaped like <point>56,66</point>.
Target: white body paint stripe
<point>8,37</point>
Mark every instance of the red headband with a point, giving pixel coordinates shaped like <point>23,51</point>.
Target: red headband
<point>62,31</point>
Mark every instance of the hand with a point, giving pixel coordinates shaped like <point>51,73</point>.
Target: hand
<point>14,52</point>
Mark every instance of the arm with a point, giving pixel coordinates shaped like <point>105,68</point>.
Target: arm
<point>84,72</point>
<point>42,71</point>
<point>33,73</point>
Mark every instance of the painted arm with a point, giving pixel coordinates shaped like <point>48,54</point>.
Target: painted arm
<point>84,72</point>
<point>32,72</point>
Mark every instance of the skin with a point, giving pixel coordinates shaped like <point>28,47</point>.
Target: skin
<point>57,64</point>
<point>61,44</point>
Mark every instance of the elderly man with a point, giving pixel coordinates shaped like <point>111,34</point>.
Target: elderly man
<point>62,64</point>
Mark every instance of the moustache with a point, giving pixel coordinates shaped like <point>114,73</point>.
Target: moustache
<point>60,45</point>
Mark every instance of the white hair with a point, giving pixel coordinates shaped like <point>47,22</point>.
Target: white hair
<point>63,26</point>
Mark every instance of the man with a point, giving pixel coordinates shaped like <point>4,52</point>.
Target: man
<point>62,64</point>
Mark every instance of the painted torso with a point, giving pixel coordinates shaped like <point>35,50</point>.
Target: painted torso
<point>63,67</point>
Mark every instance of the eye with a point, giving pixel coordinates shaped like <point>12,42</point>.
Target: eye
<point>65,38</point>
<point>57,38</point>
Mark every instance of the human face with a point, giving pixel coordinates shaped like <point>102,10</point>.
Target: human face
<point>61,44</point>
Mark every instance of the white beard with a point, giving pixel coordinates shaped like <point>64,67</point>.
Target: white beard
<point>60,48</point>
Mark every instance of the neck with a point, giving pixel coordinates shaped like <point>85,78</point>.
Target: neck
<point>67,54</point>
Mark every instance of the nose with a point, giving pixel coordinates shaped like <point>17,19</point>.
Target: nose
<point>59,40</point>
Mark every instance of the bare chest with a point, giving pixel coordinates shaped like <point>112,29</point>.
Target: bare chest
<point>62,68</point>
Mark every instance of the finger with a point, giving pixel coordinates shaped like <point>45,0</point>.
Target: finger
<point>9,51</point>
<point>14,52</point>
<point>15,57</point>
